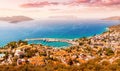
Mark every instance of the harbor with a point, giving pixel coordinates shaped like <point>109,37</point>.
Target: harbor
<point>70,41</point>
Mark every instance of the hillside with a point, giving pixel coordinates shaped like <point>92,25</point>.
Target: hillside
<point>115,28</point>
<point>113,18</point>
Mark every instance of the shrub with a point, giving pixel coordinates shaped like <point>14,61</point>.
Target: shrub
<point>109,51</point>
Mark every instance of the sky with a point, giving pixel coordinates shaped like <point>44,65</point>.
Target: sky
<point>60,9</point>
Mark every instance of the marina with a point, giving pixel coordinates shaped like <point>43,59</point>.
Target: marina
<point>70,41</point>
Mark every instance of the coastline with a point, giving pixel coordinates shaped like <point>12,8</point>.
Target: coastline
<point>105,30</point>
<point>88,48</point>
<point>77,31</point>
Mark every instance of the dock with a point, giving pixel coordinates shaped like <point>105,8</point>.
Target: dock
<point>70,41</point>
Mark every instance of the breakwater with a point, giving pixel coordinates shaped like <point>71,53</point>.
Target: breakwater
<point>70,41</point>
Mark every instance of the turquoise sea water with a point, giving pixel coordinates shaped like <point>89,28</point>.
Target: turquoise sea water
<point>51,29</point>
<point>53,44</point>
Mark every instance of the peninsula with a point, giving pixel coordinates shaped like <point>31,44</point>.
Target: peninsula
<point>15,19</point>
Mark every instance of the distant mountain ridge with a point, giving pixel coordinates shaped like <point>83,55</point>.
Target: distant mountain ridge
<point>15,19</point>
<point>113,18</point>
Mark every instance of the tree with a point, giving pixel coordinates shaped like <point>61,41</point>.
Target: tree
<point>12,44</point>
<point>23,42</point>
<point>109,51</point>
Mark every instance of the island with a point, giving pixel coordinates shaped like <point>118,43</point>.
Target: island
<point>15,19</point>
<point>113,18</point>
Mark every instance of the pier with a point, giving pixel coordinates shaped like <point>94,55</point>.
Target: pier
<point>70,41</point>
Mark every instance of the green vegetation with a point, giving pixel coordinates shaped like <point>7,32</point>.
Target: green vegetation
<point>30,53</point>
<point>12,44</point>
<point>109,51</point>
<point>15,44</point>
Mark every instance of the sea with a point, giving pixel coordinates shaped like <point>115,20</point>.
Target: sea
<point>64,29</point>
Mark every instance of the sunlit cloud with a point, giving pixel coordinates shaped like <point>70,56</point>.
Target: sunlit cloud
<point>39,4</point>
<point>60,8</point>
<point>72,2</point>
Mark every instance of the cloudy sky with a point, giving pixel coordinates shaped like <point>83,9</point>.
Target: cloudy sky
<point>70,9</point>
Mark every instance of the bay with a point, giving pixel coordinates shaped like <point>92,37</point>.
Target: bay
<point>52,29</point>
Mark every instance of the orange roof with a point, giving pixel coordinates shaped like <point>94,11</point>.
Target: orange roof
<point>37,60</point>
<point>61,52</point>
<point>81,60</point>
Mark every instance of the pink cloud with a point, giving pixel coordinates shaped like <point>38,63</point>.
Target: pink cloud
<point>111,2</point>
<point>82,1</point>
<point>106,2</point>
<point>38,4</point>
<point>73,3</point>
<point>98,2</point>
